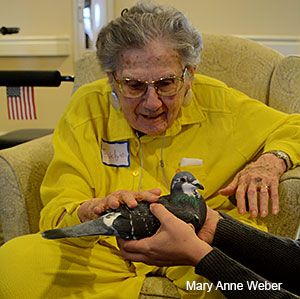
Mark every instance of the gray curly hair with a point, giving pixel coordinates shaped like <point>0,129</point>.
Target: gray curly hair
<point>143,23</point>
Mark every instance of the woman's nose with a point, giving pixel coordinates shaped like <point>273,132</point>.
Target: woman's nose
<point>151,99</point>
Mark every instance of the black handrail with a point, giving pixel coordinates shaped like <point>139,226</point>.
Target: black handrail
<point>33,78</point>
<point>9,30</point>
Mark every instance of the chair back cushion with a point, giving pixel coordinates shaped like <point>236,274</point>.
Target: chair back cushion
<point>240,63</point>
<point>87,70</point>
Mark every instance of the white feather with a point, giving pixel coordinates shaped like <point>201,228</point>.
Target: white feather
<point>109,218</point>
<point>188,188</point>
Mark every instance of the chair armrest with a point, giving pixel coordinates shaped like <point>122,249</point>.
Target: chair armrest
<point>287,222</point>
<point>155,287</point>
<point>285,85</point>
<point>13,216</point>
<point>22,170</point>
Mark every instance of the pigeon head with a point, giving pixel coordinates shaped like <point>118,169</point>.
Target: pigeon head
<point>185,182</point>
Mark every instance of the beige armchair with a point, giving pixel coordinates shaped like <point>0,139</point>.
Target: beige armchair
<point>252,68</point>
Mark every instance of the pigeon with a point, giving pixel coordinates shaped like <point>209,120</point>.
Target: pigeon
<point>184,201</point>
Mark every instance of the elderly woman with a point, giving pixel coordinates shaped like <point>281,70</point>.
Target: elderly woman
<point>123,136</point>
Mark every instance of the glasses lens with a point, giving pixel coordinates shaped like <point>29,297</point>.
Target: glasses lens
<point>168,86</point>
<point>165,87</point>
<point>133,88</point>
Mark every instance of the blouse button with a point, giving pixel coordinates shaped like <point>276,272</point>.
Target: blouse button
<point>135,173</point>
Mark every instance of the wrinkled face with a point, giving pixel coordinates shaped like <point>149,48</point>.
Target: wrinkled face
<point>150,113</point>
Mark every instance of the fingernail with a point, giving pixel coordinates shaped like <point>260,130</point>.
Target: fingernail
<point>254,213</point>
<point>263,213</point>
<point>132,203</point>
<point>241,211</point>
<point>153,205</point>
<point>275,211</point>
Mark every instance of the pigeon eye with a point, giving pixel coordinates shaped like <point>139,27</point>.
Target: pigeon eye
<point>183,180</point>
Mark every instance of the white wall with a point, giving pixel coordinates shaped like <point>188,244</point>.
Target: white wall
<point>274,23</point>
<point>249,17</point>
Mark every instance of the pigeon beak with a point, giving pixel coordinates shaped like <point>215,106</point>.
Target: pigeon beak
<point>197,184</point>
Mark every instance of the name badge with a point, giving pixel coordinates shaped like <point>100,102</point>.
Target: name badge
<point>115,153</point>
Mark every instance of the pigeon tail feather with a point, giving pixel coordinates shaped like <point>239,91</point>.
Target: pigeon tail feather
<point>90,228</point>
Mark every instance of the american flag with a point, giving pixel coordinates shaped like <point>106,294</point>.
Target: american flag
<point>20,102</point>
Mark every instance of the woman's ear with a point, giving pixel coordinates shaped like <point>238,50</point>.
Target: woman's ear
<point>114,99</point>
<point>192,69</point>
<point>110,78</point>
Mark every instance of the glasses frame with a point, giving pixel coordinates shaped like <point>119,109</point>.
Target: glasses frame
<point>151,83</point>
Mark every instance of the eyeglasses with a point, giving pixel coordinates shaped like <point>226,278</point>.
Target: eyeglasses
<point>132,88</point>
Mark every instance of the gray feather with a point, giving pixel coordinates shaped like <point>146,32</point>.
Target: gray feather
<point>89,228</point>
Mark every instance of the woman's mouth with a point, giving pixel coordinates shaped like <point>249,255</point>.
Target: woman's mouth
<point>152,124</point>
<point>152,117</point>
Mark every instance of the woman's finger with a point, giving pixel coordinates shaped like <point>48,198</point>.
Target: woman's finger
<point>241,197</point>
<point>263,200</point>
<point>252,195</point>
<point>274,197</point>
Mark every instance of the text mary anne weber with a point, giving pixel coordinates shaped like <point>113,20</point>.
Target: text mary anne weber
<point>232,286</point>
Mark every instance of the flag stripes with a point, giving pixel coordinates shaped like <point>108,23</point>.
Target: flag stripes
<point>20,103</point>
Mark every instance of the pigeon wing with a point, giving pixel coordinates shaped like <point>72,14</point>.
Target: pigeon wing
<point>123,222</point>
<point>137,223</point>
<point>190,209</point>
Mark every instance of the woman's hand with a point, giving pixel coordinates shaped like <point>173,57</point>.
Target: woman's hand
<point>258,183</point>
<point>175,243</point>
<point>94,207</point>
